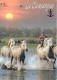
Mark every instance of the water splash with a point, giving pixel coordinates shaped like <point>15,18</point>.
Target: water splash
<point>32,62</point>
<point>4,61</point>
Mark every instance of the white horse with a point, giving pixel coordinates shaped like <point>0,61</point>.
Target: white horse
<point>18,52</point>
<point>43,52</point>
<point>5,50</point>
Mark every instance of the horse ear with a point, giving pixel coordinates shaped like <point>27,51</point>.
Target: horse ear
<point>23,41</point>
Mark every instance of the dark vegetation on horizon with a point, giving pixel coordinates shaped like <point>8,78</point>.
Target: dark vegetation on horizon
<point>31,35</point>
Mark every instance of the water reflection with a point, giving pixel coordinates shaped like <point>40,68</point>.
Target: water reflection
<point>27,75</point>
<point>12,75</point>
<point>47,75</point>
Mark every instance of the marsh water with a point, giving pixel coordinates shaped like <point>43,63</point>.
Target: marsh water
<point>31,72</point>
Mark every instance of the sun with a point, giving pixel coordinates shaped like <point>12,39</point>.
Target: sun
<point>9,16</point>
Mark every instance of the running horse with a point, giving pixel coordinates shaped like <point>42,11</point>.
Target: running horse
<point>46,52</point>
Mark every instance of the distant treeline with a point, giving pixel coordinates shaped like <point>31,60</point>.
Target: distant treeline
<point>36,32</point>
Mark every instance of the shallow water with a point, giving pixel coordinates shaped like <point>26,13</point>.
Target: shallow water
<point>31,72</point>
<point>28,75</point>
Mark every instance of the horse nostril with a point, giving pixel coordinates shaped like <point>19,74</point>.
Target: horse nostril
<point>52,46</point>
<point>26,50</point>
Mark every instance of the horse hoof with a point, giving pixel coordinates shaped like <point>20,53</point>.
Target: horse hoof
<point>4,66</point>
<point>22,69</point>
<point>54,62</point>
<point>10,68</point>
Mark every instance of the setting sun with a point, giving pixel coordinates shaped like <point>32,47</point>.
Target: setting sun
<point>9,16</point>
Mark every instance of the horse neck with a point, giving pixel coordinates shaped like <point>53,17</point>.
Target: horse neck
<point>47,47</point>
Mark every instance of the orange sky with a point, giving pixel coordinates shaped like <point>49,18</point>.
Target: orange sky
<point>21,15</point>
<point>13,7</point>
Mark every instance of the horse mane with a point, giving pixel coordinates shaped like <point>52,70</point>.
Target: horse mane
<point>39,46</point>
<point>9,44</point>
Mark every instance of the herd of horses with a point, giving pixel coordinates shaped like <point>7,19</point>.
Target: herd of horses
<point>13,51</point>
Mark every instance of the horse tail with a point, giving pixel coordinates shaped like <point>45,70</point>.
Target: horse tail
<point>2,52</point>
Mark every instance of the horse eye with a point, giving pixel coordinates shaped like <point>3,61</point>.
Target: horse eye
<point>23,45</point>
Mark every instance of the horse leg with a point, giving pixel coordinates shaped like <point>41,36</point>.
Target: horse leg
<point>54,59</point>
<point>11,60</point>
<point>51,61</point>
<point>48,59</point>
<point>54,63</point>
<point>15,61</point>
<point>19,65</point>
<point>23,59</point>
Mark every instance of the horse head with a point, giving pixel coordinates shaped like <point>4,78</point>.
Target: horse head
<point>50,42</point>
<point>11,42</point>
<point>24,45</point>
<point>45,42</point>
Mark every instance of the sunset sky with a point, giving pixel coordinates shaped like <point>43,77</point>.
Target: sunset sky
<point>20,17</point>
